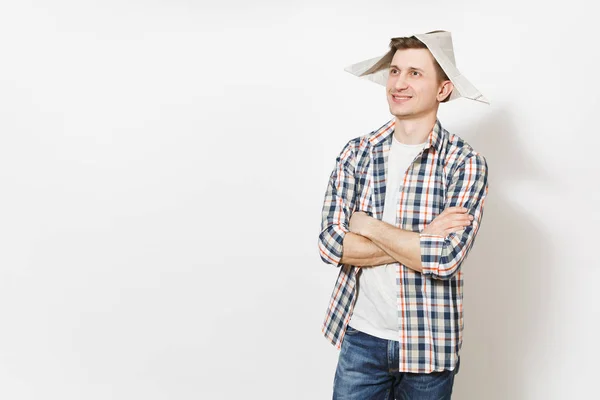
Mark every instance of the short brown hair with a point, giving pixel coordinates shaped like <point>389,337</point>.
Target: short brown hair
<point>402,43</point>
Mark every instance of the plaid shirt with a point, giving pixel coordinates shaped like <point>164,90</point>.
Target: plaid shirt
<point>448,172</point>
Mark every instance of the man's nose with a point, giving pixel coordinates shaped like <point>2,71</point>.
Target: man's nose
<point>400,82</point>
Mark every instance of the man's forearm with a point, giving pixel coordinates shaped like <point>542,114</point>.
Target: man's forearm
<point>403,246</point>
<point>360,251</point>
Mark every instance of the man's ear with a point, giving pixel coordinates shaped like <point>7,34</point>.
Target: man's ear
<point>445,90</point>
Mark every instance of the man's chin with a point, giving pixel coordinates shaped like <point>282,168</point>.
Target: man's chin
<point>400,113</point>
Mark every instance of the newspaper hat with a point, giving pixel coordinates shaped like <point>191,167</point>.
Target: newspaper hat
<point>439,44</point>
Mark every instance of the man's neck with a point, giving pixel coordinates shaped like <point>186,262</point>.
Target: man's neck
<point>414,130</point>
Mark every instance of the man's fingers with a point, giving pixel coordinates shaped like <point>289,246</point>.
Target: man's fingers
<point>453,223</point>
<point>459,224</point>
<point>463,218</point>
<point>452,219</point>
<point>456,226</point>
<point>454,215</point>
<point>448,219</point>
<point>453,211</point>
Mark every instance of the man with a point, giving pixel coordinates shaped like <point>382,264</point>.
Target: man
<point>402,208</point>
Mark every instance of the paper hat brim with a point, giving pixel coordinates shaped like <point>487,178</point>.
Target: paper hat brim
<point>440,46</point>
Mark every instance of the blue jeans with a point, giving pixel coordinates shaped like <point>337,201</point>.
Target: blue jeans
<point>368,369</point>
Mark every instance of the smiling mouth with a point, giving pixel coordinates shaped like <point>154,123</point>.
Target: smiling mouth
<point>400,98</point>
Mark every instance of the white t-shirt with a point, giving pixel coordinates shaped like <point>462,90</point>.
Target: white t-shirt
<point>376,308</point>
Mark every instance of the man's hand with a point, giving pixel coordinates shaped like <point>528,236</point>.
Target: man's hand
<point>452,219</point>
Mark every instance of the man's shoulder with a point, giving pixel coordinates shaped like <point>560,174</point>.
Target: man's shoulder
<point>356,143</point>
<point>365,140</point>
<point>458,150</point>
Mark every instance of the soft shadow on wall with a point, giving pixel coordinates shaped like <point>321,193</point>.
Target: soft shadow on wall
<point>505,274</point>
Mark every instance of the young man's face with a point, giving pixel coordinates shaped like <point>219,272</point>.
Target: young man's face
<point>413,89</point>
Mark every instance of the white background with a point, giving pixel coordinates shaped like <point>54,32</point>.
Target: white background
<point>162,172</point>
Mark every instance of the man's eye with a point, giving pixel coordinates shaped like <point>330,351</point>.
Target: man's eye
<point>415,73</point>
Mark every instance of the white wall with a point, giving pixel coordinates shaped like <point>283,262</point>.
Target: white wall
<point>162,171</point>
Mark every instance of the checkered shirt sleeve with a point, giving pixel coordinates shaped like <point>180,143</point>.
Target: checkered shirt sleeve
<point>441,257</point>
<point>338,205</point>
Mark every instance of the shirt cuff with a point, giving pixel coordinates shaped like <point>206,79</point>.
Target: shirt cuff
<point>332,241</point>
<point>431,252</point>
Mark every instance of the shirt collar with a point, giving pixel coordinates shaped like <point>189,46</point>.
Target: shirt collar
<point>387,130</point>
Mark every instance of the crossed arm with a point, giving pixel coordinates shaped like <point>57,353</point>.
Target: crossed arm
<point>374,242</point>
<point>354,238</point>
<point>362,252</point>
